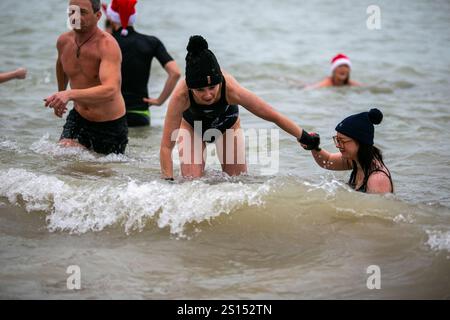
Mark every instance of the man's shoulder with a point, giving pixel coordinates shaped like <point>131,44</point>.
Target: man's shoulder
<point>106,37</point>
<point>64,38</point>
<point>107,42</point>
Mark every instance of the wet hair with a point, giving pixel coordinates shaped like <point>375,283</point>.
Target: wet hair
<point>96,5</point>
<point>370,158</point>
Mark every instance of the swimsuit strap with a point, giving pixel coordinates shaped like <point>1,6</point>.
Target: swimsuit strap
<point>388,174</point>
<point>363,188</point>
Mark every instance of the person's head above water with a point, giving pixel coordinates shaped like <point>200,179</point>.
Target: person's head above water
<point>90,14</point>
<point>355,141</point>
<point>202,68</point>
<point>340,69</point>
<point>122,13</point>
<point>356,133</point>
<point>360,126</point>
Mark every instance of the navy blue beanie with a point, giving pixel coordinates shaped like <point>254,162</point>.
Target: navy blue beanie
<point>360,126</point>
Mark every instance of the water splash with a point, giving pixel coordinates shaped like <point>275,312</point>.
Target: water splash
<point>82,206</point>
<point>438,240</point>
<point>48,146</point>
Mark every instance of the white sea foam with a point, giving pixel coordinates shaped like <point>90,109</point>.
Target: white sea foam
<point>400,218</point>
<point>326,183</point>
<point>79,207</point>
<point>48,146</point>
<point>438,240</point>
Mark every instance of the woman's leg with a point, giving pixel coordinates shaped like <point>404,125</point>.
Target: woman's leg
<point>191,154</point>
<point>231,150</point>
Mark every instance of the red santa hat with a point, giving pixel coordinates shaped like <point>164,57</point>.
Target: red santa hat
<point>339,60</point>
<point>122,12</point>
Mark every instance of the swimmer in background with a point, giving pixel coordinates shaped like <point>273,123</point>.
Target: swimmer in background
<point>138,51</point>
<point>340,74</point>
<point>354,139</point>
<point>20,73</point>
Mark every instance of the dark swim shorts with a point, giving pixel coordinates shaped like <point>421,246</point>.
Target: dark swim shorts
<point>102,137</point>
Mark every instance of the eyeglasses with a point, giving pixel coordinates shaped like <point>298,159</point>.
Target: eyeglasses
<point>340,142</point>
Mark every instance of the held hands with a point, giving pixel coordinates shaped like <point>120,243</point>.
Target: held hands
<point>310,141</point>
<point>58,102</point>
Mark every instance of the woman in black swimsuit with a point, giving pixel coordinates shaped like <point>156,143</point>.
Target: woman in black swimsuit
<point>354,140</point>
<point>204,108</point>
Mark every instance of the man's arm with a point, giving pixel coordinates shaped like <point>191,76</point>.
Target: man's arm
<point>61,76</point>
<point>174,74</point>
<point>16,74</point>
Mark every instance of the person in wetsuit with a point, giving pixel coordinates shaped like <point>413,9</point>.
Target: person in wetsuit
<point>204,108</point>
<point>138,51</point>
<point>354,139</point>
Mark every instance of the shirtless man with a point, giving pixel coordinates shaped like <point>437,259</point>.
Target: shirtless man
<point>90,61</point>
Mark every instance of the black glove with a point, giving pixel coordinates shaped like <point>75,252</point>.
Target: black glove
<point>311,140</point>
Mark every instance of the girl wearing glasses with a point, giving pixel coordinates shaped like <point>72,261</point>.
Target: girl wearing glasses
<point>354,139</point>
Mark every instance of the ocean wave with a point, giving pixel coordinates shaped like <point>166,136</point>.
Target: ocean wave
<point>94,205</point>
<point>78,205</point>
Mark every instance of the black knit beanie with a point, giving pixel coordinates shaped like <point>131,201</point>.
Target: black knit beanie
<point>202,68</point>
<point>360,126</point>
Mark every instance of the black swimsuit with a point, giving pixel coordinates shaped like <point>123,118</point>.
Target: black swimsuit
<point>363,188</point>
<point>220,115</point>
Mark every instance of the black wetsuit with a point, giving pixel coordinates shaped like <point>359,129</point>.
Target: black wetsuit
<point>363,188</point>
<point>138,51</point>
<point>102,137</point>
<point>220,115</point>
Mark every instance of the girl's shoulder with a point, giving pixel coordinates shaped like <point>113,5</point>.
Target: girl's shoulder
<point>379,180</point>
